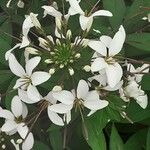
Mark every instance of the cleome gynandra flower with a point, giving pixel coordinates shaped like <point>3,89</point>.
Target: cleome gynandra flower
<point>68,74</point>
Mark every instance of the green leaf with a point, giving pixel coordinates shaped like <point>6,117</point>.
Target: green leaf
<point>145,82</point>
<point>39,146</point>
<point>136,113</point>
<point>136,141</point>
<point>133,20</point>
<point>118,9</point>
<point>148,140</point>
<point>55,137</point>
<point>94,126</point>
<point>116,142</point>
<point>139,40</point>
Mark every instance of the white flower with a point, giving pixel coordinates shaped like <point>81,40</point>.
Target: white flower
<point>147,18</point>
<point>89,99</point>
<point>13,122</point>
<point>29,22</point>
<point>85,21</point>
<point>36,97</point>
<point>27,79</point>
<point>106,49</point>
<point>137,73</point>
<point>20,4</point>
<point>133,90</point>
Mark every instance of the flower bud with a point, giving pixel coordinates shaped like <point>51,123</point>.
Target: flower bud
<point>48,61</point>
<point>78,55</point>
<point>58,42</point>
<point>87,68</point>
<point>61,66</point>
<point>19,141</point>
<point>71,71</point>
<point>32,50</point>
<point>43,43</point>
<point>20,4</point>
<point>51,71</point>
<point>69,34</point>
<point>58,23</point>
<point>35,21</point>
<point>57,88</point>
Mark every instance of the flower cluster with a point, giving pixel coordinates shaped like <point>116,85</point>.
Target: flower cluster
<point>46,55</point>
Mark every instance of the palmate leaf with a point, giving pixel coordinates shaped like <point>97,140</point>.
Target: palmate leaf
<point>139,40</point>
<point>94,126</point>
<point>137,141</point>
<point>118,9</point>
<point>116,142</point>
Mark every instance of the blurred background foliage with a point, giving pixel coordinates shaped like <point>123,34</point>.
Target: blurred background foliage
<point>106,130</point>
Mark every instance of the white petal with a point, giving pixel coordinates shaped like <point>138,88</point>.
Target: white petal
<point>60,108</point>
<point>114,73</point>
<point>6,114</point>
<point>24,97</point>
<point>27,24</point>
<point>74,4</point>
<point>82,89</point>
<point>55,118</point>
<point>24,110</point>
<point>142,101</point>
<point>31,64</point>
<point>99,47</point>
<point>15,67</point>
<point>25,42</point>
<point>102,13</point>
<point>9,51</point>
<point>66,97</point>
<point>117,42</point>
<point>96,104</point>
<point>49,97</point>
<point>91,112</point>
<point>28,143</point>
<point>39,77</point>
<point>16,106</point>
<point>116,87</point>
<point>131,68</point>
<point>22,130</point>
<point>106,40</point>
<point>19,83</point>
<point>8,126</point>
<point>85,22</point>
<point>51,11</point>
<point>91,96</point>
<point>98,64</point>
<point>33,93</point>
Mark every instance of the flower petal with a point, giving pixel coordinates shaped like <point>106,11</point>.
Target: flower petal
<point>85,22</point>
<point>8,126</point>
<point>24,97</point>
<point>28,143</point>
<point>39,77</point>
<point>15,67</point>
<point>114,73</point>
<point>98,64</point>
<point>55,118</point>
<point>33,93</point>
<point>51,11</point>
<point>7,54</point>
<point>31,64</point>
<point>82,89</point>
<point>22,130</point>
<point>60,108</point>
<point>117,42</point>
<point>16,106</point>
<point>142,101</point>
<point>66,97</point>
<point>106,40</point>
<point>98,46</point>
<point>92,101</point>
<point>74,4</point>
<point>6,114</point>
<point>102,13</point>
